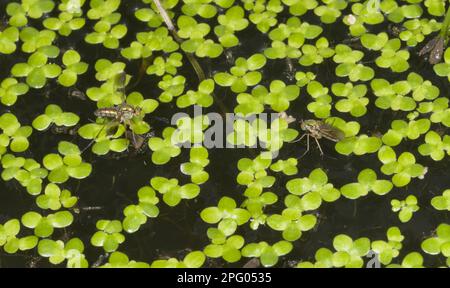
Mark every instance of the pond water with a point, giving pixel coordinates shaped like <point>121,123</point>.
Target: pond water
<point>116,178</point>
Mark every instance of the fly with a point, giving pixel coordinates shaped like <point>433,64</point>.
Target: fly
<point>122,114</point>
<point>436,49</point>
<point>318,129</point>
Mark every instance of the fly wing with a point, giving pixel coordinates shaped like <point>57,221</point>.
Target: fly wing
<point>136,140</point>
<point>428,47</point>
<point>437,52</point>
<point>120,82</point>
<point>112,128</point>
<point>331,133</point>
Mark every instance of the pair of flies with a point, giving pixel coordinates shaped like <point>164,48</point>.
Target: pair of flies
<point>435,47</point>
<point>316,129</point>
<point>122,114</point>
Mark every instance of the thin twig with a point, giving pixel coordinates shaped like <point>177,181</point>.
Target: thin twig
<point>165,16</point>
<point>197,67</point>
<point>446,25</point>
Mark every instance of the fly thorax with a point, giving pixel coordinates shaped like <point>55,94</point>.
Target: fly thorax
<point>127,112</point>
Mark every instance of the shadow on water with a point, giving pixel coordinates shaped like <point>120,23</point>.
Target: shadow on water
<point>114,182</point>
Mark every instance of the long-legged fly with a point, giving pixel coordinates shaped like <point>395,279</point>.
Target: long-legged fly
<point>119,118</point>
<point>316,129</point>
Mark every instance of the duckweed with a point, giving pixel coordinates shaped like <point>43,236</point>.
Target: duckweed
<point>104,155</point>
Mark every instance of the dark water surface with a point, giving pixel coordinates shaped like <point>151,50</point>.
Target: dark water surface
<point>115,180</point>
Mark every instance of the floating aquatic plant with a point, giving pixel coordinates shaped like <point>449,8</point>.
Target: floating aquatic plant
<point>172,192</point>
<point>393,96</point>
<point>73,67</point>
<point>58,252</point>
<point>8,39</point>
<point>109,235</point>
<point>390,249</point>
<point>13,134</point>
<point>268,254</point>
<point>439,244</point>
<point>70,19</point>
<point>67,164</point>
<point>232,21</point>
<point>195,168</point>
<point>37,69</point>
<point>54,199</point>
<point>121,260</point>
<point>313,190</point>
<point>55,115</point>
<point>348,59</point>
<point>403,168</point>
<point>263,16</point>
<point>360,145</point>
<point>253,103</point>
<point>316,54</point>
<point>406,207</point>
<point>402,129</point>
<point>288,167</point>
<point>442,202</point>
<point>28,172</point>
<point>203,97</point>
<point>288,38</point>
<point>194,259</point>
<point>259,56</point>
<point>169,65</point>
<point>172,87</point>
<point>9,240</point>
<point>254,175</point>
<point>443,69</point>
<point>10,90</point>
<point>292,223</point>
<point>355,102</point>
<point>226,215</point>
<point>163,149</point>
<point>412,260</point>
<point>348,254</point>
<point>44,225</point>
<point>331,11</point>
<point>255,203</point>
<point>226,248</point>
<point>280,95</point>
<point>367,181</point>
<point>34,9</point>
<point>416,30</point>
<point>34,39</point>
<point>435,146</point>
<point>243,74</point>
<point>393,57</point>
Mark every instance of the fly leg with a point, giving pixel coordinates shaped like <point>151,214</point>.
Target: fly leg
<point>128,130</point>
<point>94,139</point>
<point>137,140</point>
<point>299,139</point>
<point>318,145</point>
<point>307,145</point>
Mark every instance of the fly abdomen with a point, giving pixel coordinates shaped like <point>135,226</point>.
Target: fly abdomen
<point>111,113</point>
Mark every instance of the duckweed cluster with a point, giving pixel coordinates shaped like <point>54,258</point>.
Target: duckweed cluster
<point>82,191</point>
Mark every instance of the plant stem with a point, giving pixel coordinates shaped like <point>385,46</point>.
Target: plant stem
<point>198,69</point>
<point>165,16</point>
<point>446,25</point>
